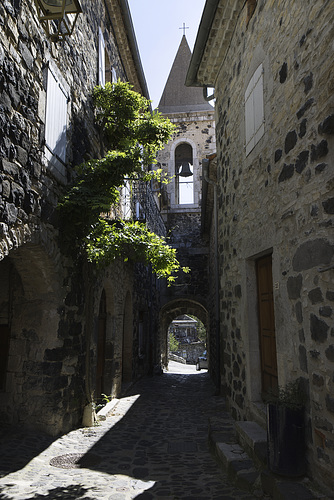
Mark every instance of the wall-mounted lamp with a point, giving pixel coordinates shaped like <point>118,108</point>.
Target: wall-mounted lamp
<point>58,17</point>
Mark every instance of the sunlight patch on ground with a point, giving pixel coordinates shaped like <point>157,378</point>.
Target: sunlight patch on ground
<point>182,369</point>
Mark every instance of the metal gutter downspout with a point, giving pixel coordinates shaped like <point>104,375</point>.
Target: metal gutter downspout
<point>205,164</point>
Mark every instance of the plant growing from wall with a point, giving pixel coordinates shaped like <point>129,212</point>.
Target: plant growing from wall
<point>132,135</point>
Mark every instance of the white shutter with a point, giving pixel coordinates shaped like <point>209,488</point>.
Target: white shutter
<point>249,120</point>
<point>102,64</point>
<point>258,108</point>
<point>56,117</point>
<point>254,110</point>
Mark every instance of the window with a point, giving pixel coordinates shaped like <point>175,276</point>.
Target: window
<point>184,192</point>
<point>106,72</point>
<point>102,60</point>
<point>126,197</point>
<point>55,117</point>
<point>254,110</point>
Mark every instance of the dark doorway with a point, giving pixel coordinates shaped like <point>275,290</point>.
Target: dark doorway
<point>127,341</point>
<point>101,346</point>
<point>267,324</point>
<point>4,349</point>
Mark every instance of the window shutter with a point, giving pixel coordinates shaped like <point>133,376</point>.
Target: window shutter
<point>56,117</point>
<point>254,110</point>
<point>249,121</point>
<point>102,64</point>
<point>258,108</point>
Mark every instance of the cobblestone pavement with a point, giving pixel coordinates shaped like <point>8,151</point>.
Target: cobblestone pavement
<point>152,446</point>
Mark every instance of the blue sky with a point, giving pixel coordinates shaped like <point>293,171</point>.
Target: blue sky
<point>156,24</point>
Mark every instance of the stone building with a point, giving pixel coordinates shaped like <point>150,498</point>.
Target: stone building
<point>68,332</point>
<point>181,159</point>
<point>271,64</point>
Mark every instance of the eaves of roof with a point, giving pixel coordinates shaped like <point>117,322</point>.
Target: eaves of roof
<point>126,39</point>
<point>213,39</point>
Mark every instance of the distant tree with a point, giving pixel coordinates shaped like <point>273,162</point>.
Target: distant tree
<point>173,344</point>
<point>201,331</point>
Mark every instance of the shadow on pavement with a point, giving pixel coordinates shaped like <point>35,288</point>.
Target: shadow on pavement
<point>160,444</point>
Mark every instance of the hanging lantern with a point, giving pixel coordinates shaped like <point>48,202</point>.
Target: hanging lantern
<point>185,170</point>
<point>58,17</point>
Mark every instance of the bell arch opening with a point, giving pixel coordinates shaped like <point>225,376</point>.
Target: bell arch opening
<point>184,174</point>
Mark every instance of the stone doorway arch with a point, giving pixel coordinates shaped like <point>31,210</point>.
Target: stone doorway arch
<point>178,307</point>
<point>127,350</point>
<point>31,299</point>
<point>101,346</point>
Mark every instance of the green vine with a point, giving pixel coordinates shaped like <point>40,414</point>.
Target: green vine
<point>132,135</point>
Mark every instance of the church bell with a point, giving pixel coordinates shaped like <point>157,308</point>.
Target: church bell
<point>185,170</point>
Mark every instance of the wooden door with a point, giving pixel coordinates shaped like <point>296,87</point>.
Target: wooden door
<point>267,324</point>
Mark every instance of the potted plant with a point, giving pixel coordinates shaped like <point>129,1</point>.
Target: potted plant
<point>286,430</point>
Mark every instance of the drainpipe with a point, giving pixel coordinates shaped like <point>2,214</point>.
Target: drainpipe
<point>205,163</point>
<point>206,96</point>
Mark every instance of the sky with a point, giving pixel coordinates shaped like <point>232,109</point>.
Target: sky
<point>157,26</point>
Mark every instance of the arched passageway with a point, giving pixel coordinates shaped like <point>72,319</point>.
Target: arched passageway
<point>31,314</point>
<point>175,309</point>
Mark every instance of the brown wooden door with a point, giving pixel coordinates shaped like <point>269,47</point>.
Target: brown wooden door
<point>4,349</point>
<point>267,324</point>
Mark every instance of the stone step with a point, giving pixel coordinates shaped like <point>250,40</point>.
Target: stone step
<point>253,438</point>
<point>241,450</point>
<point>238,466</point>
<point>280,488</point>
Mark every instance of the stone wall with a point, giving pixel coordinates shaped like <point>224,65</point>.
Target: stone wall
<point>278,200</point>
<point>50,304</point>
<point>190,351</point>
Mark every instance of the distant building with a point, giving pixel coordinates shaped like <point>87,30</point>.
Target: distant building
<point>184,328</point>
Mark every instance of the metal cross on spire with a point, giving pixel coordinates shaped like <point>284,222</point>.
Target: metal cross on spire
<point>184,28</point>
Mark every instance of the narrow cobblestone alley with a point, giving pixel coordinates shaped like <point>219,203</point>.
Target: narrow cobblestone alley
<point>152,445</point>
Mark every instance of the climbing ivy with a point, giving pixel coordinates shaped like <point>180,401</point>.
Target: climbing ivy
<point>132,136</point>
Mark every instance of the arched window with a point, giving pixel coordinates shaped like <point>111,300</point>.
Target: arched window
<point>184,175</point>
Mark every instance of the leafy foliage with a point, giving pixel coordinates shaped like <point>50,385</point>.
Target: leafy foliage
<point>290,396</point>
<point>201,331</point>
<point>173,344</point>
<point>131,240</point>
<point>132,136</point>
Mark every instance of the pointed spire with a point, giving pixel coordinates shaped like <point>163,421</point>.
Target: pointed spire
<point>176,97</point>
